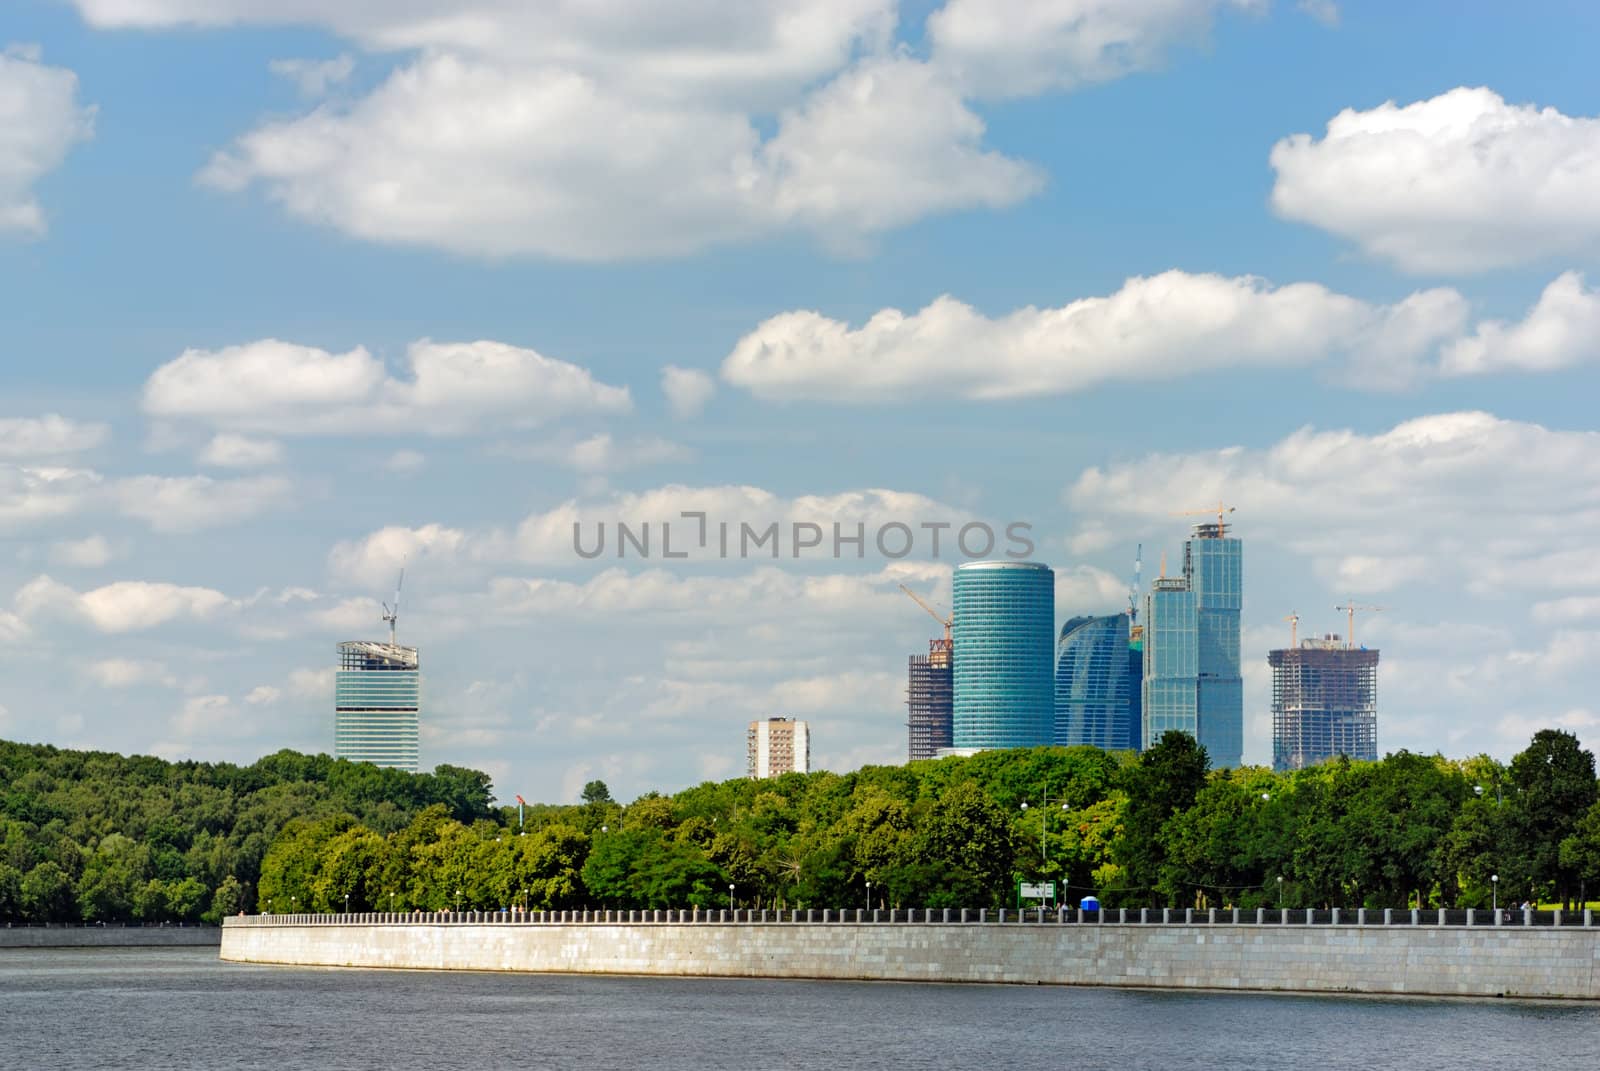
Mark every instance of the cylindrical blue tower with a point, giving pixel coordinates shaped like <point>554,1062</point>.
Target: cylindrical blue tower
<point>1004,632</point>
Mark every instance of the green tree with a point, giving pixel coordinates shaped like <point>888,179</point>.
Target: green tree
<point>1163,783</point>
<point>1580,852</point>
<point>596,792</point>
<point>1554,786</point>
<point>47,894</point>
<point>227,900</point>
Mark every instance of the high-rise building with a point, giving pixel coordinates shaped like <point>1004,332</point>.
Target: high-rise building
<point>929,701</point>
<point>1213,564</point>
<point>1093,684</point>
<point>377,704</point>
<point>1004,638</point>
<point>1324,703</point>
<point>778,746</point>
<point>1171,660</point>
<point>1136,686</point>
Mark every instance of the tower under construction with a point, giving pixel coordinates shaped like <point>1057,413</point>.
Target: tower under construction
<point>1324,703</point>
<point>930,699</point>
<point>377,699</point>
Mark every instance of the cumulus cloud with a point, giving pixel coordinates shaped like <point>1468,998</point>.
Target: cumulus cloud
<point>90,552</point>
<point>189,503</point>
<point>688,390</point>
<point>453,389</point>
<point>125,606</point>
<point>601,453</point>
<point>241,452</point>
<point>49,436</point>
<point>1175,323</point>
<point>29,494</point>
<point>1375,511</point>
<point>1561,330</point>
<point>376,560</point>
<point>1460,182</point>
<point>40,121</point>
<point>131,672</point>
<point>1023,47</point>
<point>314,77</point>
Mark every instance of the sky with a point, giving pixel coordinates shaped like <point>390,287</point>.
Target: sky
<point>299,293</point>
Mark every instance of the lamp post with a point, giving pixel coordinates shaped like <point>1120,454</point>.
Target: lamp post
<point>347,903</point>
<point>869,896</point>
<point>1280,892</point>
<point>458,901</point>
<point>524,901</point>
<point>391,903</point>
<point>1494,887</point>
<point>269,905</point>
<point>730,896</point>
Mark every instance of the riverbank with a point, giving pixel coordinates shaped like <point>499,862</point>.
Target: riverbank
<point>1475,960</point>
<point>109,936</point>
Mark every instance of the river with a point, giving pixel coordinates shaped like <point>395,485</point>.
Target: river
<point>141,1009</point>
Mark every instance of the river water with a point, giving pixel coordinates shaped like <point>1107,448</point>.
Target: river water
<point>181,1008</point>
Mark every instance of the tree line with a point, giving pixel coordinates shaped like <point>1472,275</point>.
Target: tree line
<point>1154,829</point>
<point>88,836</point>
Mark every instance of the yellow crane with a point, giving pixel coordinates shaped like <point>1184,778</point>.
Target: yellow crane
<point>947,622</point>
<point>1222,510</point>
<point>1349,609</point>
<point>1294,629</point>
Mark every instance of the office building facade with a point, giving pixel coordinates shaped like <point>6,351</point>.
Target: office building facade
<point>777,746</point>
<point>1004,641</point>
<point>377,705</point>
<point>1213,563</point>
<point>1324,703</point>
<point>1171,662</point>
<point>930,699</point>
<point>1093,685</point>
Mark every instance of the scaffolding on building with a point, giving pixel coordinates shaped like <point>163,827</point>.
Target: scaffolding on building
<point>930,701</point>
<point>1324,703</point>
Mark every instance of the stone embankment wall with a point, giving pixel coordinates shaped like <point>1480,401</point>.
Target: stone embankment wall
<point>1511,961</point>
<point>109,936</point>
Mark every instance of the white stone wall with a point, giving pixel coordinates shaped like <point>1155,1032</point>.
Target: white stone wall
<point>1480,961</point>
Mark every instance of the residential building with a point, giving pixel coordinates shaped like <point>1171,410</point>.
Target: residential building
<point>778,746</point>
<point>377,705</point>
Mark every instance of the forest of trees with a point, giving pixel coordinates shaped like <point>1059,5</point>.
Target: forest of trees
<point>95,837</point>
<point>90,836</point>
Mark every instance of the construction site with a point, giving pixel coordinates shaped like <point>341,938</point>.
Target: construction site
<point>930,690</point>
<point>1324,698</point>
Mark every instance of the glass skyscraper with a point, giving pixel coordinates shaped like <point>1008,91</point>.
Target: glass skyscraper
<point>1213,563</point>
<point>1171,660</point>
<point>1004,633</point>
<point>1093,684</point>
<point>377,700</point>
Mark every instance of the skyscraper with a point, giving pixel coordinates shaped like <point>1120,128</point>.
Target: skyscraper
<point>777,746</point>
<point>1004,636</point>
<point>1213,564</point>
<point>1171,660</point>
<point>1324,703</point>
<point>377,704</point>
<point>1093,684</point>
<point>929,701</point>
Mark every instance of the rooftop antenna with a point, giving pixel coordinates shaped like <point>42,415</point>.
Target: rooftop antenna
<point>393,615</point>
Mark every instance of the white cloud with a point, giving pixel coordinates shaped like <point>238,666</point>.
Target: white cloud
<point>1374,511</point>
<point>1569,610</point>
<point>453,389</point>
<point>1024,47</point>
<point>375,561</point>
<point>1458,183</point>
<point>312,684</point>
<point>40,121</point>
<point>688,390</point>
<point>1171,324</point>
<point>124,606</point>
<point>602,453</point>
<point>241,452</point>
<point>1085,589</point>
<point>314,77</point>
<point>1324,11</point>
<point>263,695</point>
<point>1561,330</point>
<point>91,552</point>
<point>13,629</point>
<point>188,503</point>
<point>29,494</point>
<point>130,672</point>
<point>405,461</point>
<point>47,436</point>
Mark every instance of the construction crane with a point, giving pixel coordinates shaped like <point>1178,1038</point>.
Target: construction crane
<point>1222,510</point>
<point>392,614</point>
<point>1138,581</point>
<point>1350,609</point>
<point>1294,629</point>
<point>935,614</point>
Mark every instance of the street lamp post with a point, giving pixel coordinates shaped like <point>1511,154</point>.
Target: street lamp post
<point>347,903</point>
<point>869,896</point>
<point>458,901</point>
<point>391,903</point>
<point>1494,887</point>
<point>1280,892</point>
<point>730,896</point>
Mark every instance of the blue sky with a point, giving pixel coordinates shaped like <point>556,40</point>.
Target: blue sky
<point>297,292</point>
